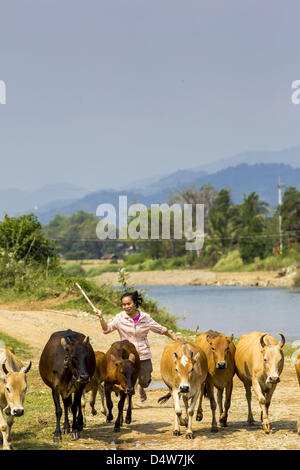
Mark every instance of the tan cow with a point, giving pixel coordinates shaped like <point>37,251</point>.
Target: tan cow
<point>183,368</point>
<point>95,385</point>
<point>13,387</point>
<point>259,362</point>
<point>219,350</point>
<point>297,367</point>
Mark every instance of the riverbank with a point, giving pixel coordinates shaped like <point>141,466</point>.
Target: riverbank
<point>193,277</point>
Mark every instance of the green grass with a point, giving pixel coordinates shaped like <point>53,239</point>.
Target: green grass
<point>22,350</point>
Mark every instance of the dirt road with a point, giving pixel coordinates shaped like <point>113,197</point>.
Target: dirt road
<point>152,426</point>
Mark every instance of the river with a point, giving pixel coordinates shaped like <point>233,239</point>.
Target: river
<point>236,310</point>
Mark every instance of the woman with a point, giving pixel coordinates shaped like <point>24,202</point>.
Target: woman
<point>134,325</point>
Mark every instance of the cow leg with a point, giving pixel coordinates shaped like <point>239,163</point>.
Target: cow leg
<point>109,402</point>
<point>67,404</point>
<point>77,424</point>
<point>213,405</point>
<point>178,414</point>
<point>189,432</point>
<point>129,412</point>
<point>102,396</point>
<point>58,412</point>
<point>268,397</point>
<point>5,430</point>
<point>119,420</point>
<point>220,401</point>
<point>93,400</point>
<point>224,415</point>
<point>199,415</point>
<point>83,404</point>
<point>262,403</point>
<point>250,419</point>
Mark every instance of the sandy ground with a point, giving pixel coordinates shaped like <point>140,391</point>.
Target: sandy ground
<point>202,277</point>
<point>152,425</point>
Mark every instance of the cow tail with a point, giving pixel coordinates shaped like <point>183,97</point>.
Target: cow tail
<point>165,398</point>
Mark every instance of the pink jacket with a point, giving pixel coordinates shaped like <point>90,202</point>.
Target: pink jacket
<point>136,333</point>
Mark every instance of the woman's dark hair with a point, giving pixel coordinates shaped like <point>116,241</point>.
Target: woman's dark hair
<point>136,297</point>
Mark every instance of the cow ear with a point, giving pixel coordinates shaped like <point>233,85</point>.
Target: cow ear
<point>86,340</point>
<point>132,358</point>
<point>196,357</point>
<point>175,357</point>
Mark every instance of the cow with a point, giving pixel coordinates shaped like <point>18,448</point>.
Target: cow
<point>297,367</point>
<point>13,386</point>
<point>184,370</point>
<point>259,362</point>
<point>95,385</point>
<point>219,350</point>
<point>66,365</point>
<point>122,371</point>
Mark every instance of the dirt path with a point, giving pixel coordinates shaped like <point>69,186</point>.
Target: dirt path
<point>152,426</point>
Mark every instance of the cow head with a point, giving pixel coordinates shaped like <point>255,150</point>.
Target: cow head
<point>273,359</point>
<point>77,356</point>
<point>126,373</point>
<point>15,386</point>
<point>219,345</point>
<point>184,361</point>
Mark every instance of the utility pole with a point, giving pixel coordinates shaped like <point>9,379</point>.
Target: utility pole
<point>279,186</point>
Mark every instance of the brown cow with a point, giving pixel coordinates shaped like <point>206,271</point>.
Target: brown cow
<point>13,386</point>
<point>183,368</point>
<point>219,350</point>
<point>122,371</point>
<point>297,367</point>
<point>95,385</point>
<point>259,362</point>
<point>67,364</point>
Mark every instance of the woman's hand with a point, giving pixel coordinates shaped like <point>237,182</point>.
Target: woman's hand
<point>98,313</point>
<point>172,336</point>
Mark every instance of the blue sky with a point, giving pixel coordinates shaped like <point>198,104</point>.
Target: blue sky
<point>102,93</point>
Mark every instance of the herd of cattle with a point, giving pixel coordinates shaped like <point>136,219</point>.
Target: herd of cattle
<point>71,368</point>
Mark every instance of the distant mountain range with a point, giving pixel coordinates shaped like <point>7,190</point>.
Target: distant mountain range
<point>242,174</point>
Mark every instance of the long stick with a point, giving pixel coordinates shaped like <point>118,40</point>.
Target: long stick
<point>86,297</point>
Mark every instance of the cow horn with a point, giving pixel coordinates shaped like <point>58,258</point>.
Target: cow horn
<point>27,369</point>
<point>262,340</point>
<point>132,357</point>
<point>282,342</point>
<point>86,340</point>
<point>4,368</point>
<point>197,331</point>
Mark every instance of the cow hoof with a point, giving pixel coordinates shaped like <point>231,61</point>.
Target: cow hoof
<point>128,420</point>
<point>189,436</point>
<point>94,412</point>
<point>75,435</point>
<point>116,429</point>
<point>214,429</point>
<point>176,433</point>
<point>108,420</point>
<point>56,438</point>
<point>223,424</point>
<point>199,417</point>
<point>66,431</point>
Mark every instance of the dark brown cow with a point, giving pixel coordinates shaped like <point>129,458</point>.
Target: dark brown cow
<point>66,365</point>
<point>123,366</point>
<point>96,384</point>
<point>219,350</point>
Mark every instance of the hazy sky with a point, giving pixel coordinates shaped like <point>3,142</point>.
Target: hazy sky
<point>104,92</point>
